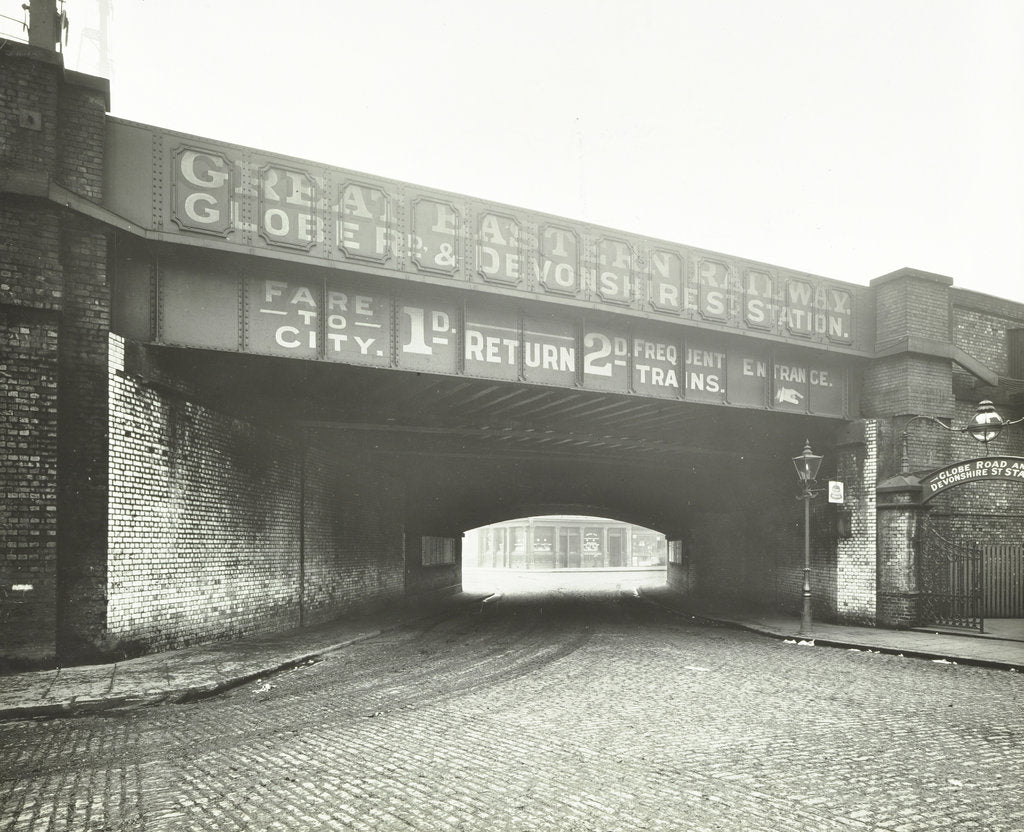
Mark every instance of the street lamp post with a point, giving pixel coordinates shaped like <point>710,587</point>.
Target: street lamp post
<point>807,465</point>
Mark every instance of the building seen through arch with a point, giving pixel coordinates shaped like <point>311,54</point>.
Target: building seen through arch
<point>563,542</point>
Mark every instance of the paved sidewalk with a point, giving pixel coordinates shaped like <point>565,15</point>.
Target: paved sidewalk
<point>194,672</point>
<point>1001,647</point>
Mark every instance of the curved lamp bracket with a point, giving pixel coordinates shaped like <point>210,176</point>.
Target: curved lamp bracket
<point>985,425</point>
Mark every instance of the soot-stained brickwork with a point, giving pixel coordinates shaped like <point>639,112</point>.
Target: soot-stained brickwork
<point>54,312</point>
<point>82,438</point>
<point>220,528</point>
<point>204,520</point>
<point>28,473</point>
<point>947,350</point>
<point>355,540</point>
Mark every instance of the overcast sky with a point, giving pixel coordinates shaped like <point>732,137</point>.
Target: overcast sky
<point>846,139</point>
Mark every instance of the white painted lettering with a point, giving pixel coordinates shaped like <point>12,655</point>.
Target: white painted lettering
<point>204,215</point>
<point>214,178</point>
<point>286,337</point>
<point>474,345</point>
<point>276,222</point>
<point>273,289</point>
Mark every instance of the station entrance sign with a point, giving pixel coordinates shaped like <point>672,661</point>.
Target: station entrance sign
<point>987,469</point>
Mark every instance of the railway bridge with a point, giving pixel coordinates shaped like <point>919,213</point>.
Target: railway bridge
<point>246,392</point>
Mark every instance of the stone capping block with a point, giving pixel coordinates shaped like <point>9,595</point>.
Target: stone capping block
<point>907,485</point>
<point>906,271</point>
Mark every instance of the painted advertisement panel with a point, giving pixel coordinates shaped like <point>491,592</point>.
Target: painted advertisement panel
<point>236,198</point>
<point>557,267</point>
<point>363,230</point>
<point>705,365</point>
<point>802,386</point>
<point>357,326</point>
<point>436,231</point>
<point>279,311</point>
<point>747,371</point>
<point>549,349</point>
<point>492,343</point>
<point>429,338</point>
<point>202,189</point>
<point>283,317</point>
<point>605,357</point>
<point>499,257</point>
<point>288,207</point>
<point>656,364</point>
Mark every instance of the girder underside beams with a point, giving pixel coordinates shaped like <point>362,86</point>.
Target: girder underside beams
<point>353,399</point>
<point>471,451</point>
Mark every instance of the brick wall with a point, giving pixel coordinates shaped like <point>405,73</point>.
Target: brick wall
<point>357,525</point>
<point>54,313</point>
<point>203,521</point>
<point>82,439</point>
<point>28,486</point>
<point>437,578</point>
<point>82,129</point>
<point>755,558</point>
<point>983,511</point>
<point>898,599</point>
<point>29,89</point>
<point>788,553</point>
<point>220,528</point>
<point>980,325</point>
<point>856,576</point>
<point>910,303</point>
<point>907,385</point>
<point>30,270</point>
<point>912,316</point>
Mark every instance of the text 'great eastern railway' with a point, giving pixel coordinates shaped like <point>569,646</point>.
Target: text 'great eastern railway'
<point>348,320</point>
<point>231,197</point>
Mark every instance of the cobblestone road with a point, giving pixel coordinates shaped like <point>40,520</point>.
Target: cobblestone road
<point>562,713</point>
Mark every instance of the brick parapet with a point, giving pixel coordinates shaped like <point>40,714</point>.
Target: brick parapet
<point>82,123</point>
<point>29,91</point>
<point>911,304</point>
<point>981,326</point>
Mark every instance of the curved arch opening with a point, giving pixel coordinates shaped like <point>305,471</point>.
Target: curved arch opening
<point>563,552</point>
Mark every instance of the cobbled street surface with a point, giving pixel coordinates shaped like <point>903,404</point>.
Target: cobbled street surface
<point>562,712</point>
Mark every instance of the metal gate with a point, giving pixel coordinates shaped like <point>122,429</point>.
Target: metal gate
<point>951,575</point>
<point>1003,568</point>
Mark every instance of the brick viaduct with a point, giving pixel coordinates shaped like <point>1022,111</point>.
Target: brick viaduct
<point>187,457</point>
